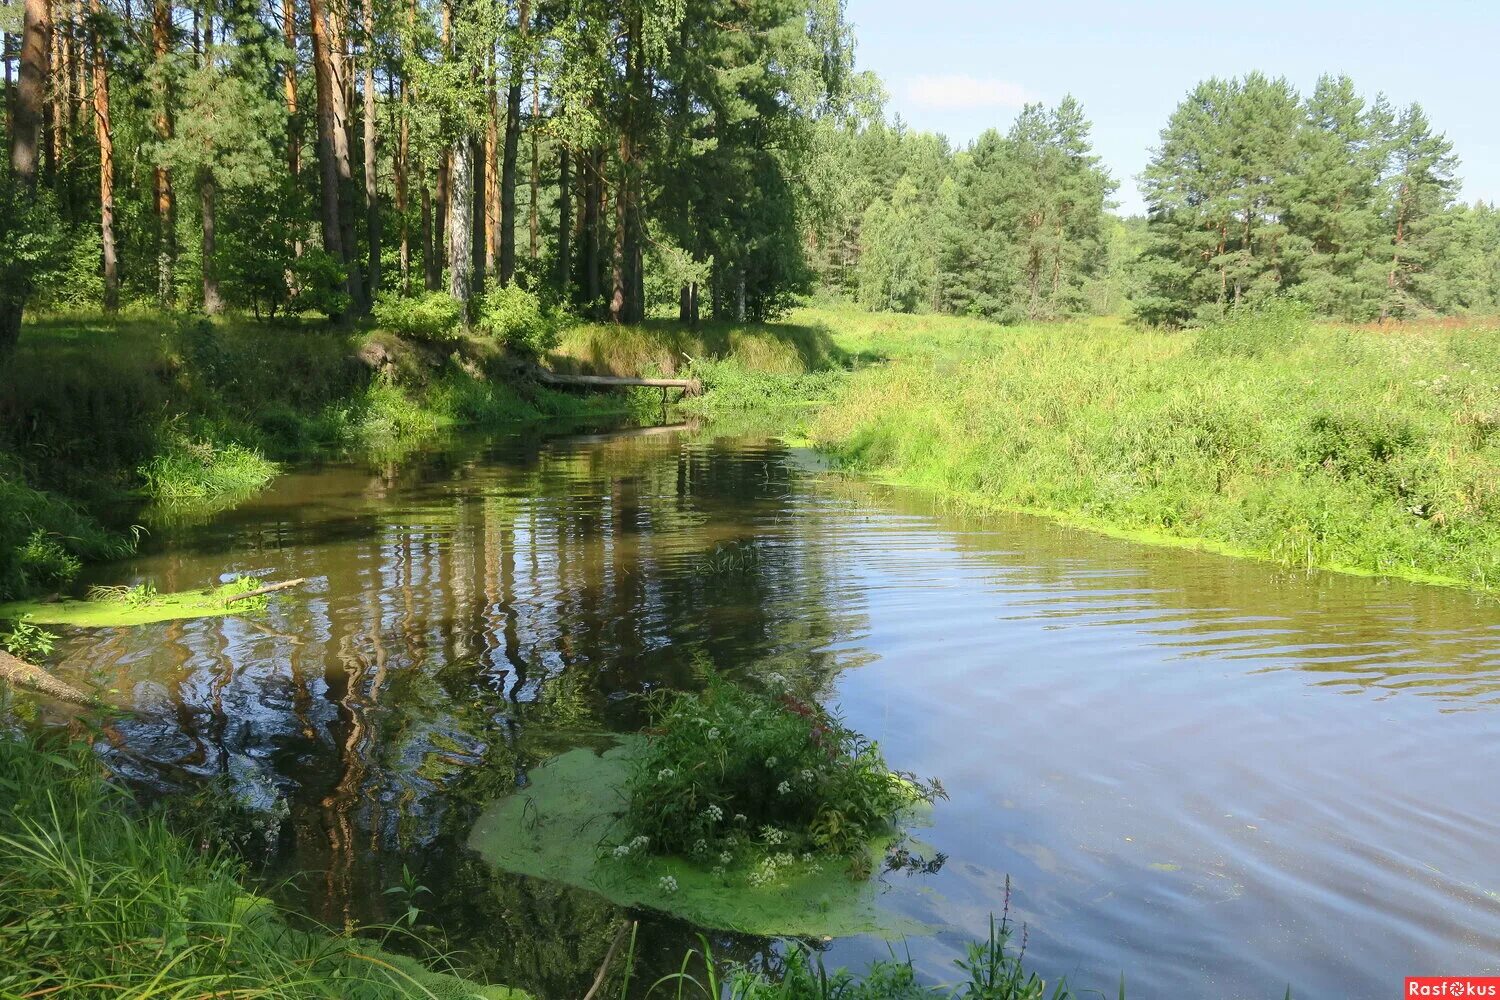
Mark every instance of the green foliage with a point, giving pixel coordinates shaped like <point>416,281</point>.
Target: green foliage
<point>320,284</point>
<point>1256,193</point>
<point>43,539</point>
<point>516,318</point>
<point>1249,332</point>
<point>35,244</point>
<point>28,641</point>
<point>196,472</point>
<point>429,316</point>
<point>729,773</point>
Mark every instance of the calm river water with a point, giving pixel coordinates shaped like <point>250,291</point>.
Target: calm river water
<point>1212,777</point>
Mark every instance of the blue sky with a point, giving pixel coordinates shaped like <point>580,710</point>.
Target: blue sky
<point>960,66</point>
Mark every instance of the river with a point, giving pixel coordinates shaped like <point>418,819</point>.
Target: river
<point>1210,776</point>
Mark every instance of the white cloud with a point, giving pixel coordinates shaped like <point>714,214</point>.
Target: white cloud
<point>958,92</point>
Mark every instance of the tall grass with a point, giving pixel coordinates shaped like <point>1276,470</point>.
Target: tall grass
<point>1314,446</point>
<point>99,901</point>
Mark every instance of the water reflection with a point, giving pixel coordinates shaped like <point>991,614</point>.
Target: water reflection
<point>1156,743</point>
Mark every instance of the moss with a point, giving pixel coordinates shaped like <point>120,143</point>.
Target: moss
<point>553,830</point>
<point>127,609</point>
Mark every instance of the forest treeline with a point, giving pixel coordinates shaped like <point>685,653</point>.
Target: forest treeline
<point>715,157</point>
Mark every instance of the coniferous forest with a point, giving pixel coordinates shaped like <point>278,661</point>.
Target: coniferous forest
<point>711,157</point>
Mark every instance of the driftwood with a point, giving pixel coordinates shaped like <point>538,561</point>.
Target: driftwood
<point>23,674</point>
<point>689,386</point>
<point>271,589</point>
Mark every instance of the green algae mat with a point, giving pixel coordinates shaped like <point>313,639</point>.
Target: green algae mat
<point>120,608</point>
<point>555,829</point>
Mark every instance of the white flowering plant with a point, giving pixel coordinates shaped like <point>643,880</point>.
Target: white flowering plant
<point>778,778</point>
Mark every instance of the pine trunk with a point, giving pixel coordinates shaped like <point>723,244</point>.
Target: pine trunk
<point>105,136</point>
<point>161,180</point>
<point>491,172</point>
<point>564,221</point>
<point>213,302</point>
<point>30,97</point>
<point>372,177</point>
<point>460,225</point>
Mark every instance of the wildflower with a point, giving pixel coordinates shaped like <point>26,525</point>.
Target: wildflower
<point>667,884</point>
<point>714,813</point>
<point>808,775</point>
<point>740,818</point>
<point>664,774</point>
<point>772,836</point>
<point>713,733</point>
<point>638,843</point>
<point>622,851</point>
<point>771,763</point>
<point>783,788</point>
<point>718,870</point>
<point>725,857</point>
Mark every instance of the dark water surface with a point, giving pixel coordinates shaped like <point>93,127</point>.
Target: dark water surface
<point>1213,777</point>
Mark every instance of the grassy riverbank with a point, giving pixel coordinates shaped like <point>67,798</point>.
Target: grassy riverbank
<point>98,899</point>
<point>1374,451</point>
<point>1369,450</point>
<point>100,417</point>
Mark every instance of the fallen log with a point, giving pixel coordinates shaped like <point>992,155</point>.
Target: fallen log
<point>263,591</point>
<point>24,675</point>
<point>689,386</point>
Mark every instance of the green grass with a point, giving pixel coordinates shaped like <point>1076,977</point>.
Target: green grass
<point>1313,446</point>
<point>183,415</point>
<point>1359,449</point>
<point>100,900</point>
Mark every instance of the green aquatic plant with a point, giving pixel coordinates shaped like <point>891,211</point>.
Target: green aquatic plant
<point>561,826</point>
<point>26,641</point>
<point>730,558</point>
<point>729,775</point>
<point>119,607</point>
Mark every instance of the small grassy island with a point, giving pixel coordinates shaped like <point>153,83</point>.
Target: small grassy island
<point>740,810</point>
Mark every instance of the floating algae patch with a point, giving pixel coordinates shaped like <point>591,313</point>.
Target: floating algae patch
<point>118,607</point>
<point>556,828</point>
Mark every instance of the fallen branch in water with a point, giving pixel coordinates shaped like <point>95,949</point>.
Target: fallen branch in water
<point>609,958</point>
<point>689,386</point>
<point>263,591</point>
<point>24,675</point>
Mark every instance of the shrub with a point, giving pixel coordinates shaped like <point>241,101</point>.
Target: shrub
<point>1246,332</point>
<point>320,284</point>
<point>516,318</point>
<point>27,641</point>
<point>729,771</point>
<point>431,316</point>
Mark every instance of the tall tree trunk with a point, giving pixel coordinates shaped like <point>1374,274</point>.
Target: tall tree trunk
<point>618,309</point>
<point>333,149</point>
<point>512,145</point>
<point>536,156</point>
<point>105,136</point>
<point>491,167</point>
<point>564,220</point>
<point>460,225</point>
<point>30,96</point>
<point>593,201</point>
<point>403,150</point>
<point>429,253</point>
<point>508,179</point>
<point>477,238</point>
<point>372,177</point>
<point>161,178</point>
<point>213,302</point>
<point>289,85</point>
